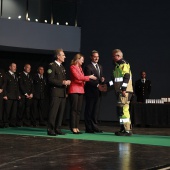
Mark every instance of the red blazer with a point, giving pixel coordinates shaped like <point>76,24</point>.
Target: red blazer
<point>77,80</point>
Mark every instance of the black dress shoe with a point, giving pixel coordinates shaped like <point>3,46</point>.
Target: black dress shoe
<point>19,124</point>
<point>98,131</point>
<point>51,132</point>
<point>6,125</point>
<point>59,132</point>
<point>1,126</point>
<point>42,124</point>
<point>26,124</point>
<point>34,125</point>
<point>12,125</point>
<point>89,131</point>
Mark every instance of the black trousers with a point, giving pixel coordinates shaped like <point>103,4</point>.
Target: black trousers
<point>39,110</point>
<point>10,112</point>
<point>76,101</point>
<point>91,114</point>
<point>57,106</point>
<point>25,111</point>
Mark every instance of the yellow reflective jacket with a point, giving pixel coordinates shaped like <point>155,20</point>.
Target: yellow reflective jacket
<point>122,76</point>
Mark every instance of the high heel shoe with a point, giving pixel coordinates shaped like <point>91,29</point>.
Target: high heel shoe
<point>75,132</point>
<point>78,131</point>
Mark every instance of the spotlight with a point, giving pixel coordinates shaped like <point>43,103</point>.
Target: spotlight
<point>58,23</point>
<point>66,23</point>
<point>36,20</point>
<point>19,17</point>
<point>9,17</point>
<point>45,21</point>
<point>28,19</point>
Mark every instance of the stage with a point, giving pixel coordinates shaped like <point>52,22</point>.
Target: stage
<point>31,148</point>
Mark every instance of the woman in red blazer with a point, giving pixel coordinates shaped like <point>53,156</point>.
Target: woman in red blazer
<point>76,90</point>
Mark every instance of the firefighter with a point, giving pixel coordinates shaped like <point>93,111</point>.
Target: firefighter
<point>122,81</point>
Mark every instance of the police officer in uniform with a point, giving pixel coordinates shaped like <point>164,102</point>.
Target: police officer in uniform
<point>26,90</point>
<point>2,86</point>
<point>142,88</point>
<point>11,97</point>
<point>122,81</point>
<point>39,94</point>
<point>58,83</point>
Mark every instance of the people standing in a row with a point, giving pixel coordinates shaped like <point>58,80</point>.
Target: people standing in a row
<point>142,88</point>
<point>76,91</point>
<point>93,94</point>
<point>58,84</point>
<point>11,97</point>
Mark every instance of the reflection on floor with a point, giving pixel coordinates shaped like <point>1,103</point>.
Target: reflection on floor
<point>41,153</point>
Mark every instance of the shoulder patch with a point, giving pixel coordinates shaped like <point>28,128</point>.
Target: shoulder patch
<point>49,71</point>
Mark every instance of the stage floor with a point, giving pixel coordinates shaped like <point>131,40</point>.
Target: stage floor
<point>24,149</point>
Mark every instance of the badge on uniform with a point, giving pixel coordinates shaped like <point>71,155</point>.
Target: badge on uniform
<point>49,71</point>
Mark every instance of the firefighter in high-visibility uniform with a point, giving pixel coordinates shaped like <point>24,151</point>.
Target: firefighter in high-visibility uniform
<point>122,81</point>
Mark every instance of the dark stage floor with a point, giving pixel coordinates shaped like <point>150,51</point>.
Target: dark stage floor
<point>46,153</point>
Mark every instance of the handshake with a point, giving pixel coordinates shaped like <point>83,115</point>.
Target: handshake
<point>102,87</point>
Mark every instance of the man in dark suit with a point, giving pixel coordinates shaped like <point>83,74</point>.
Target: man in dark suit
<point>11,97</point>
<point>26,90</point>
<point>142,88</point>
<point>2,86</point>
<point>93,94</point>
<point>58,83</point>
<point>39,95</point>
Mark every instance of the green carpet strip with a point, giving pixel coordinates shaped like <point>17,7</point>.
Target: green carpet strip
<point>105,137</point>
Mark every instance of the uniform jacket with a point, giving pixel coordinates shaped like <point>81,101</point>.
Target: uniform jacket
<point>91,88</point>
<point>11,87</point>
<point>40,87</point>
<point>56,75</point>
<point>25,84</point>
<point>77,80</point>
<point>122,76</point>
<point>142,90</point>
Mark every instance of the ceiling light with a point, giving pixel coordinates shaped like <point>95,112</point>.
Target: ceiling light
<point>66,23</point>
<point>57,23</point>
<point>19,17</point>
<point>36,20</point>
<point>9,17</point>
<point>45,21</point>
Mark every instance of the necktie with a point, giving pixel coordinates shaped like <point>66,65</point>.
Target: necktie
<point>97,68</point>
